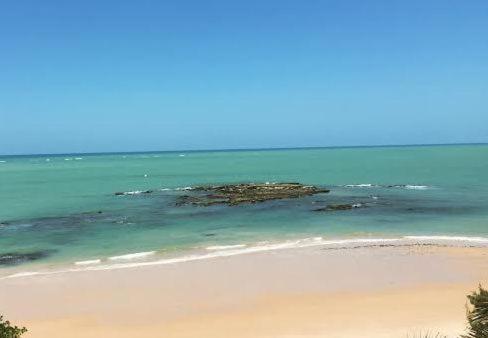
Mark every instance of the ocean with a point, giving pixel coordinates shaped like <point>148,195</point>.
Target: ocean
<point>60,212</point>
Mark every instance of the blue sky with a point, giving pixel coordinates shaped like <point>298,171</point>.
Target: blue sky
<point>95,75</point>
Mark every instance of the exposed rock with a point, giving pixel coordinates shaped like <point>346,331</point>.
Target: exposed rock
<point>13,258</point>
<point>235,194</point>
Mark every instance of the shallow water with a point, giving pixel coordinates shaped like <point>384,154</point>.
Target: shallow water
<point>63,208</point>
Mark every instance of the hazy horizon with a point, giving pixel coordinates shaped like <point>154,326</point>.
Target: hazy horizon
<point>252,149</point>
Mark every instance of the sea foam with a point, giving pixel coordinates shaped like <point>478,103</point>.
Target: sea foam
<point>416,187</point>
<point>225,247</point>
<point>89,262</point>
<point>227,251</point>
<point>362,185</point>
<point>136,255</point>
<point>400,186</point>
<point>437,239</point>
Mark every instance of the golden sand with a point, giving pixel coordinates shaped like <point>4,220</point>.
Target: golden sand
<point>308,292</point>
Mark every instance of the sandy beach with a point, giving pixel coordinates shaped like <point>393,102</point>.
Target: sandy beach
<point>304,292</point>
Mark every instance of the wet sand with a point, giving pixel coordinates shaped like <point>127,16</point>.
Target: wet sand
<point>305,292</point>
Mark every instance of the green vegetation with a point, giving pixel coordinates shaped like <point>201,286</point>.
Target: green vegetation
<point>477,314</point>
<point>9,331</point>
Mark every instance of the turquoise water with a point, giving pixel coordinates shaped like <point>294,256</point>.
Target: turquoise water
<point>65,208</point>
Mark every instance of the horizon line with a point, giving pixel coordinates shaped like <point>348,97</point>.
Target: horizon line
<point>247,149</point>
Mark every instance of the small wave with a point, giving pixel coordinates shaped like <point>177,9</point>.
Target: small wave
<point>78,158</point>
<point>136,255</point>
<point>401,186</point>
<point>266,246</point>
<point>181,155</point>
<point>362,185</point>
<point>67,159</point>
<point>89,262</point>
<point>25,274</point>
<point>416,187</point>
<point>183,188</point>
<point>135,192</point>
<point>449,239</point>
<point>3,161</point>
<point>225,247</point>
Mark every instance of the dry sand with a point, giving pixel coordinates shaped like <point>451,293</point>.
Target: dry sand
<point>308,292</point>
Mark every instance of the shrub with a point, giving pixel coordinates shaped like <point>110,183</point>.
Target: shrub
<point>477,314</point>
<point>9,331</point>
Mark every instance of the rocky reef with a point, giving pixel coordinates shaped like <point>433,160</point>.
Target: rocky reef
<point>235,194</point>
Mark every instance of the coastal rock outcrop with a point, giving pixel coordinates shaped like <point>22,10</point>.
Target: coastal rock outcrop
<point>235,194</point>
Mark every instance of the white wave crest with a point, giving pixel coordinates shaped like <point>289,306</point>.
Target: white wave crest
<point>265,246</point>
<point>225,247</point>
<point>176,189</point>
<point>362,185</point>
<point>402,186</point>
<point>24,274</point>
<point>416,187</point>
<point>137,255</point>
<point>89,262</point>
<point>135,192</point>
<point>437,239</point>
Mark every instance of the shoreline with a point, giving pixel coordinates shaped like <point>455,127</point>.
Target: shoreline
<point>139,259</point>
<point>390,291</point>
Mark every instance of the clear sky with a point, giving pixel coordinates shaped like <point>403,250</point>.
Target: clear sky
<point>119,75</point>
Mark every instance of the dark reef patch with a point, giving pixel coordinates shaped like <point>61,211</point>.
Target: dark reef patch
<point>15,258</point>
<point>338,207</point>
<point>236,194</point>
<point>125,193</point>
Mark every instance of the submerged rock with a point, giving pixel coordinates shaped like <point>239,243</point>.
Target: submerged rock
<point>337,207</point>
<point>123,193</point>
<point>14,258</point>
<point>235,194</point>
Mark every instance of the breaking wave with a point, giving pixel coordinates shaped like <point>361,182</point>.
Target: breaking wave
<point>137,255</point>
<point>240,249</point>
<point>400,186</point>
<point>89,262</point>
<point>225,247</point>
